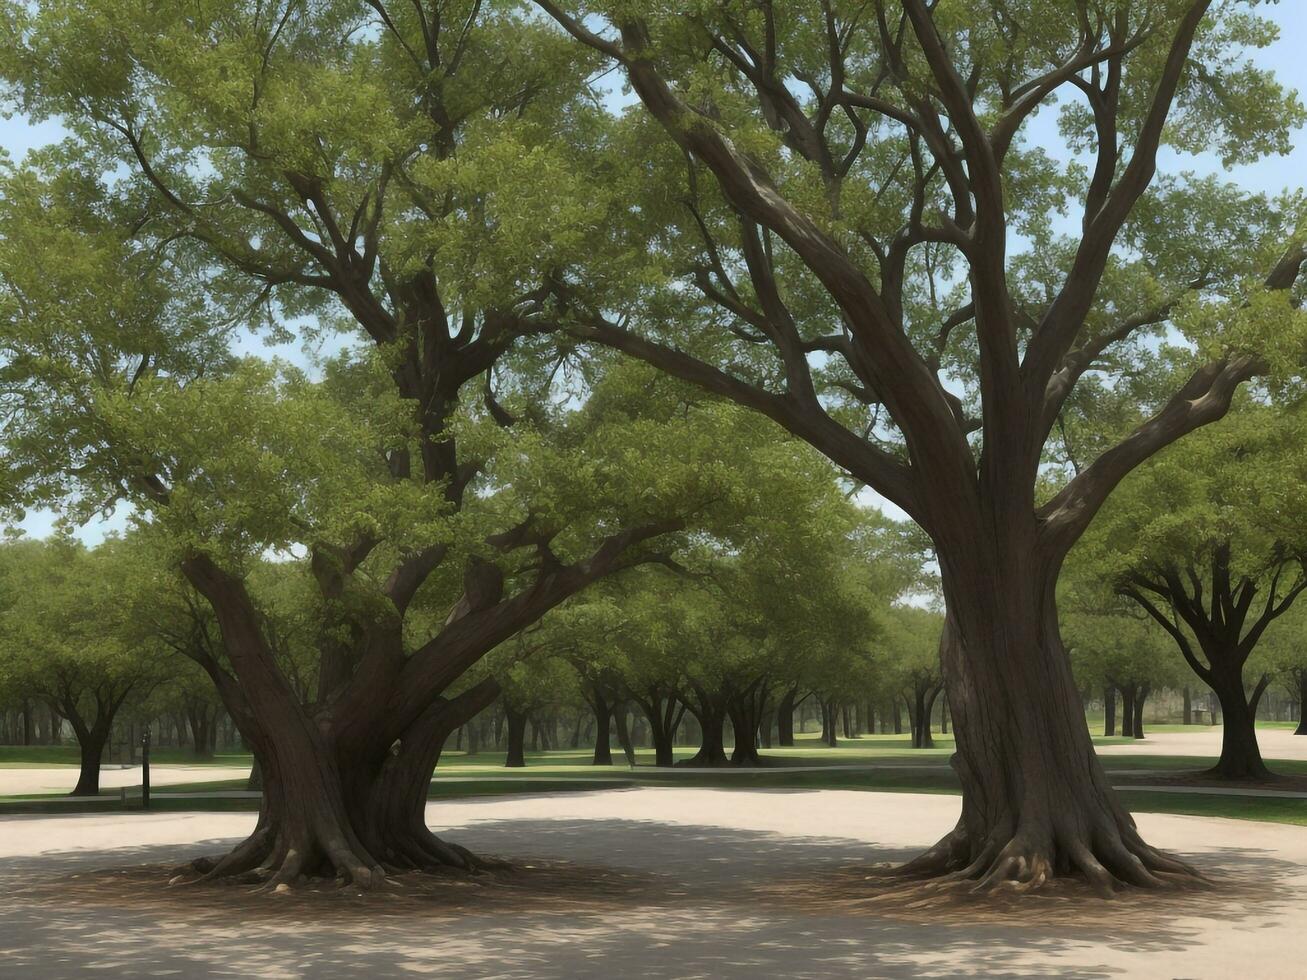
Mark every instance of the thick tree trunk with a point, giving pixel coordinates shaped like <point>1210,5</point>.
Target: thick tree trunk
<point>747,708</point>
<point>91,747</point>
<point>711,714</point>
<point>785,718</point>
<point>1028,814</point>
<point>830,723</point>
<point>29,723</point>
<point>1109,710</point>
<point>1241,756</point>
<point>898,717</point>
<point>1188,706</point>
<point>516,758</point>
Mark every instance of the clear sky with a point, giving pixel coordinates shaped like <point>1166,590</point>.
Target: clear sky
<point>1287,57</point>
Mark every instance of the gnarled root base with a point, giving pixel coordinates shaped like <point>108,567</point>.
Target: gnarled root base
<point>1106,857</point>
<point>268,860</point>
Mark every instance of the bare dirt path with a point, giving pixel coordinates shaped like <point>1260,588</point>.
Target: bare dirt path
<point>692,883</point>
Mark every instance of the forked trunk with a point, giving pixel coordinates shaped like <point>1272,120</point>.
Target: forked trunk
<point>709,709</point>
<point>1036,802</point>
<point>747,710</point>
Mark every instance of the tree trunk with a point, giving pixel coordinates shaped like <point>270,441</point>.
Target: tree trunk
<point>1109,710</point>
<point>1027,814</point>
<point>785,718</point>
<point>898,717</point>
<point>919,713</point>
<point>829,722</point>
<point>1241,756</point>
<point>1127,710</point>
<point>711,714</point>
<point>1302,702</point>
<point>29,723</point>
<point>1137,729</point>
<point>603,754</point>
<point>517,720</point>
<point>747,708</point>
<point>1188,707</point>
<point>624,736</point>
<point>91,747</point>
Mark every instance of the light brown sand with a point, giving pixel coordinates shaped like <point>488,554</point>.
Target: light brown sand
<point>704,883</point>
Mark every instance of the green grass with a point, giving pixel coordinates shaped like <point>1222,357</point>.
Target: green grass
<point>1267,808</point>
<point>898,768</point>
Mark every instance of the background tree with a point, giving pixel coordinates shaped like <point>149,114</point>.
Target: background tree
<point>66,638</point>
<point>1210,543</point>
<point>352,180</point>
<point>855,238</point>
<point>911,655</point>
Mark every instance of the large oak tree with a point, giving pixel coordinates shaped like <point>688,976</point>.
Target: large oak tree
<point>849,229</point>
<point>382,177</point>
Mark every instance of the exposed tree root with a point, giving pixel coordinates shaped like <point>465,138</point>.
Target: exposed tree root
<point>1107,859</point>
<point>268,861</point>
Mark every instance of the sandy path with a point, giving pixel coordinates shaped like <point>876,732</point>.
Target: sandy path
<point>1276,743</point>
<point>24,781</point>
<point>707,846</point>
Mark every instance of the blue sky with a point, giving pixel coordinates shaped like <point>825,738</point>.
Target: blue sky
<point>1287,57</point>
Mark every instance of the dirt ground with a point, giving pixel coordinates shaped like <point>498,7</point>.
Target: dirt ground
<point>647,882</point>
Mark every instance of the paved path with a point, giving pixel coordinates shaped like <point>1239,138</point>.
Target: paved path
<point>742,891</point>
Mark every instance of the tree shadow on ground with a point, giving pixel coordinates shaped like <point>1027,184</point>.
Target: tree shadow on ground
<point>592,898</point>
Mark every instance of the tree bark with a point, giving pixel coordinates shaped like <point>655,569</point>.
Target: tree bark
<point>1137,729</point>
<point>1109,710</point>
<point>1127,709</point>
<point>1027,816</point>
<point>710,709</point>
<point>603,712</point>
<point>785,718</point>
<point>624,736</point>
<point>747,709</point>
<point>516,758</point>
<point>1188,706</point>
<point>1241,756</point>
<point>91,749</point>
<point>1301,677</point>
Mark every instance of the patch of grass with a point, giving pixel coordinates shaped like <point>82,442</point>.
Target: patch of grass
<point>1271,809</point>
